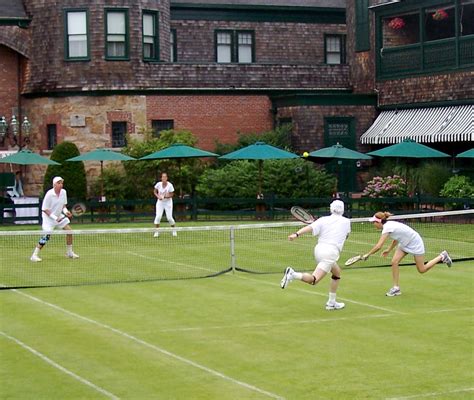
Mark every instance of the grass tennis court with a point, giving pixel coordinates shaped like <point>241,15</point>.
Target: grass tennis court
<point>238,335</point>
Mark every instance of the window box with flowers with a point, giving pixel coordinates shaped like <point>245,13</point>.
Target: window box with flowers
<point>440,15</point>
<point>396,23</point>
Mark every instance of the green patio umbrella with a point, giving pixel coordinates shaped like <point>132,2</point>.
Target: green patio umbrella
<point>27,157</point>
<point>259,151</point>
<point>102,155</point>
<point>338,151</point>
<point>408,149</point>
<point>466,154</point>
<point>179,151</point>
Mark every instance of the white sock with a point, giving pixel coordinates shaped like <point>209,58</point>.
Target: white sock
<point>297,275</point>
<point>36,251</point>
<point>332,297</point>
<point>69,248</point>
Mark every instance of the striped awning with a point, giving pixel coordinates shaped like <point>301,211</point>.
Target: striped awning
<point>423,125</point>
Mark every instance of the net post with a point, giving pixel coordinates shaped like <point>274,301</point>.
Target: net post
<point>232,248</point>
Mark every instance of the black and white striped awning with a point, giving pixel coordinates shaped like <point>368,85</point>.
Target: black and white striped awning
<point>424,125</point>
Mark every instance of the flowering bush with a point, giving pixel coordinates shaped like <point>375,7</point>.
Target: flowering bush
<point>439,15</point>
<point>458,186</point>
<point>389,186</point>
<point>396,23</point>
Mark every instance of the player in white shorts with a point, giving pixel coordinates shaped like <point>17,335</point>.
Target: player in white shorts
<point>164,192</point>
<point>409,242</point>
<point>332,232</point>
<point>55,215</point>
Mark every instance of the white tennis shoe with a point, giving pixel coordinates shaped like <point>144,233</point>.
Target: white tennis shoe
<point>72,255</point>
<point>35,258</point>
<point>175,233</point>
<point>395,291</point>
<point>287,277</point>
<point>446,258</point>
<point>156,234</point>
<point>331,306</point>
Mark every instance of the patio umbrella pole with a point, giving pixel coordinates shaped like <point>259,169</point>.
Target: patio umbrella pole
<point>101,180</point>
<point>260,175</point>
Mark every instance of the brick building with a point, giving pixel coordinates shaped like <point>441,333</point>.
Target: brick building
<point>91,72</point>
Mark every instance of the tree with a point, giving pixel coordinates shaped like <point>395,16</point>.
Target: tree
<point>73,173</point>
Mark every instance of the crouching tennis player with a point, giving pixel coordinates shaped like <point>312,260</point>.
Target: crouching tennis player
<point>55,215</point>
<point>332,232</point>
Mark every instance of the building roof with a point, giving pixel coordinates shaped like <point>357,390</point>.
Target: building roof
<point>12,9</point>
<point>424,125</point>
<point>266,3</point>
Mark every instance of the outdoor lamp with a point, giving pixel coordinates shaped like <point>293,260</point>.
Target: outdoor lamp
<point>3,128</point>
<point>14,126</point>
<point>26,127</point>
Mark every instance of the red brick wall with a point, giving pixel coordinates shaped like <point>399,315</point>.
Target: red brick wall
<point>213,117</point>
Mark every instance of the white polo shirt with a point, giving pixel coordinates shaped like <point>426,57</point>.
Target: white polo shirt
<point>332,230</point>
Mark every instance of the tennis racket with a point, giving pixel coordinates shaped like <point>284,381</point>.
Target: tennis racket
<point>353,260</point>
<point>78,209</point>
<point>302,215</point>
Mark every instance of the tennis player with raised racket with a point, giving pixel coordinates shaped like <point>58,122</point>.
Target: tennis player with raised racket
<point>332,232</point>
<point>55,215</point>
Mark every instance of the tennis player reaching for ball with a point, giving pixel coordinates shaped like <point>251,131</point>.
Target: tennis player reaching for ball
<point>55,215</point>
<point>332,232</point>
<point>409,242</point>
<point>164,192</point>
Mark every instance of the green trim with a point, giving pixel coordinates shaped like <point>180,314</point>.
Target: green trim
<point>66,35</point>
<point>156,35</point>
<point>174,33</point>
<point>21,22</point>
<point>427,104</point>
<point>272,93</point>
<point>254,13</point>
<point>324,99</point>
<point>234,44</point>
<point>125,57</point>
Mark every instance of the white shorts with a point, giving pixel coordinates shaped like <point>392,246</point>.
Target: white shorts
<point>326,256</point>
<point>50,224</point>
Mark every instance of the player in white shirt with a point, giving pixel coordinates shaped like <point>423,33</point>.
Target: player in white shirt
<point>55,215</point>
<point>409,242</point>
<point>332,232</point>
<point>164,192</point>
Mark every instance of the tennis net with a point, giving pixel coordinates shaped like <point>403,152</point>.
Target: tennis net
<point>134,255</point>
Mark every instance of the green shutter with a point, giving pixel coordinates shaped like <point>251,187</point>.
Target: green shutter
<point>362,32</point>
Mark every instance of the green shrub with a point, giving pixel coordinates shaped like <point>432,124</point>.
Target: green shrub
<point>294,178</point>
<point>458,186</point>
<point>432,176</point>
<point>73,173</point>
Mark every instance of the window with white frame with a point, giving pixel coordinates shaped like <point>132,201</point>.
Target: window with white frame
<point>150,36</point>
<point>224,46</point>
<point>335,52</point>
<point>116,34</point>
<point>244,48</point>
<point>76,32</point>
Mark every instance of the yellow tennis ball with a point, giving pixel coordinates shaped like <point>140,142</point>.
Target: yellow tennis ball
<point>305,154</point>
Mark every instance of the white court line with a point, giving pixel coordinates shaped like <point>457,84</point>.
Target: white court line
<point>60,367</point>
<point>324,295</point>
<point>154,347</point>
<point>419,396</point>
<point>243,326</point>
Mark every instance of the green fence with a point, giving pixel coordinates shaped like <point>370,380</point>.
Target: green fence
<point>220,209</point>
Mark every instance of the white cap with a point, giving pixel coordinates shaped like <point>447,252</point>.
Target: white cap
<point>56,179</point>
<point>337,207</point>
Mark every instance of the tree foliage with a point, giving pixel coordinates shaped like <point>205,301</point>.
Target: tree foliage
<point>73,173</point>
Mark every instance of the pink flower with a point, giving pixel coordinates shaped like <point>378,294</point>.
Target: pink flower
<point>439,15</point>
<point>396,23</point>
